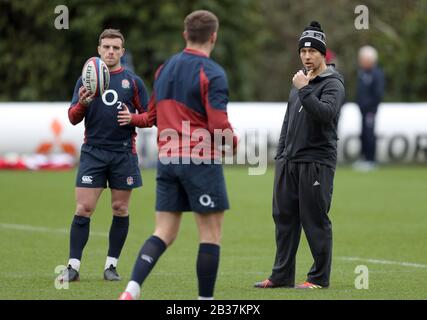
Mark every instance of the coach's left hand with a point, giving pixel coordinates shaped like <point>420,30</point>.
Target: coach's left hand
<point>301,80</point>
<point>124,117</point>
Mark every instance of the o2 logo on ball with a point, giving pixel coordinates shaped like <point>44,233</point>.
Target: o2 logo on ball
<point>112,102</point>
<point>206,201</point>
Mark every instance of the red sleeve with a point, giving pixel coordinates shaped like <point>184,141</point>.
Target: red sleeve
<point>76,113</point>
<point>146,119</point>
<point>218,119</point>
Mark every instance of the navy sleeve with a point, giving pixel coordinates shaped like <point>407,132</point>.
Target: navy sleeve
<point>218,92</point>
<point>215,96</point>
<point>149,118</point>
<point>76,112</point>
<point>140,98</point>
<point>75,98</point>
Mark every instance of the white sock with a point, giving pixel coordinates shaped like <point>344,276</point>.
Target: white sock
<point>206,298</point>
<point>74,263</point>
<point>111,261</point>
<point>134,289</point>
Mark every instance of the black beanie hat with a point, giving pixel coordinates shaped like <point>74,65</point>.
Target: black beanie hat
<point>313,37</point>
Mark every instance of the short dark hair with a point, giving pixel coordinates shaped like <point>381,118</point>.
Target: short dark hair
<point>200,25</point>
<point>111,34</point>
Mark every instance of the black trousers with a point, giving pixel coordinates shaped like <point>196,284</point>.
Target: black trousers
<point>301,200</point>
<point>367,137</point>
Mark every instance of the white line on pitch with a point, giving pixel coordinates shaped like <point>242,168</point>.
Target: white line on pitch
<point>24,227</point>
<point>376,261</point>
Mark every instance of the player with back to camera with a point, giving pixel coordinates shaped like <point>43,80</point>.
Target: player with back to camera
<point>305,166</point>
<point>108,155</point>
<point>189,87</point>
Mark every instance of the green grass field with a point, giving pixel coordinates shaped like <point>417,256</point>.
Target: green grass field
<point>379,220</point>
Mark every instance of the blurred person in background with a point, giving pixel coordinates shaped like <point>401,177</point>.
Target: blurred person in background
<point>370,91</point>
<point>127,61</point>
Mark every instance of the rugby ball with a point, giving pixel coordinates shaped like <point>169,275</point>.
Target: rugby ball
<point>95,76</point>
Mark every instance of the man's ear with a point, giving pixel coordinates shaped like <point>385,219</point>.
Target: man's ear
<point>213,37</point>
<point>99,50</point>
<point>185,35</point>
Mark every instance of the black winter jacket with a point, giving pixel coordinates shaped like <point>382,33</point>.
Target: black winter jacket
<point>309,130</point>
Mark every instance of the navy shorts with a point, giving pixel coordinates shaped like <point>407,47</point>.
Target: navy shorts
<point>191,187</point>
<point>99,166</point>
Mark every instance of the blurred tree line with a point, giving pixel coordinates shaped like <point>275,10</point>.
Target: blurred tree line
<point>257,42</point>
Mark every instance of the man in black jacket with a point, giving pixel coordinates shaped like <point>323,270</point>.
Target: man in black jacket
<point>305,166</point>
